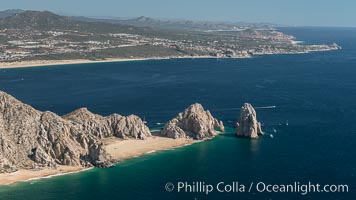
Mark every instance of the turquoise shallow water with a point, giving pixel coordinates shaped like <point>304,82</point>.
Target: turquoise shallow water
<point>315,93</point>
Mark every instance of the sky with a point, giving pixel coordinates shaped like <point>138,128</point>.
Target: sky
<point>283,12</point>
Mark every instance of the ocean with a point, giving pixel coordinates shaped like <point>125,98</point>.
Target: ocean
<point>312,123</point>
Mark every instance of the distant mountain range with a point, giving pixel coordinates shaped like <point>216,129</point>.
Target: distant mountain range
<point>165,24</point>
<point>8,13</point>
<point>45,20</point>
<point>178,24</point>
<point>156,23</point>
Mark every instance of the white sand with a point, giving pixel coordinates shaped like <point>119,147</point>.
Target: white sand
<point>122,149</point>
<point>27,175</point>
<point>119,149</point>
<point>39,63</point>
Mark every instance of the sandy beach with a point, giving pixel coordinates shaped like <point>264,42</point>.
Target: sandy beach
<point>26,175</point>
<point>42,63</point>
<point>119,149</point>
<point>123,149</point>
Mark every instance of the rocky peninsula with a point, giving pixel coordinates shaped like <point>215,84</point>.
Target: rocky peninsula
<point>31,139</point>
<point>35,144</point>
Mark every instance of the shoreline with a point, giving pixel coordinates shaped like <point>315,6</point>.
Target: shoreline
<point>24,175</point>
<point>119,149</point>
<point>49,63</point>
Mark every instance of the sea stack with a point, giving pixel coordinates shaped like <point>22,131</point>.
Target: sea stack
<point>247,125</point>
<point>194,123</point>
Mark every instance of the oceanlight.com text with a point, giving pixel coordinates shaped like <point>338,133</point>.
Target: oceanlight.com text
<point>255,187</point>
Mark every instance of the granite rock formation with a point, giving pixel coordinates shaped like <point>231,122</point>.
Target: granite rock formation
<point>194,123</point>
<point>114,125</point>
<point>247,125</point>
<point>30,138</point>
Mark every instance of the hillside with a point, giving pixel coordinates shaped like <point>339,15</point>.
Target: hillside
<point>48,21</point>
<point>10,12</point>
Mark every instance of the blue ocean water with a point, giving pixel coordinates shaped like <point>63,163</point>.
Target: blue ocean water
<point>315,93</point>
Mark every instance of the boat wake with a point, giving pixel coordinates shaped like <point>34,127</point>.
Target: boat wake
<point>266,107</point>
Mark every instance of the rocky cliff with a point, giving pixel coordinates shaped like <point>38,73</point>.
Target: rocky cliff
<point>30,138</point>
<point>114,125</point>
<point>247,125</point>
<point>194,123</point>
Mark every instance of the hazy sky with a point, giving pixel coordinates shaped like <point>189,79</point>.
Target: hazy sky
<point>289,12</point>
